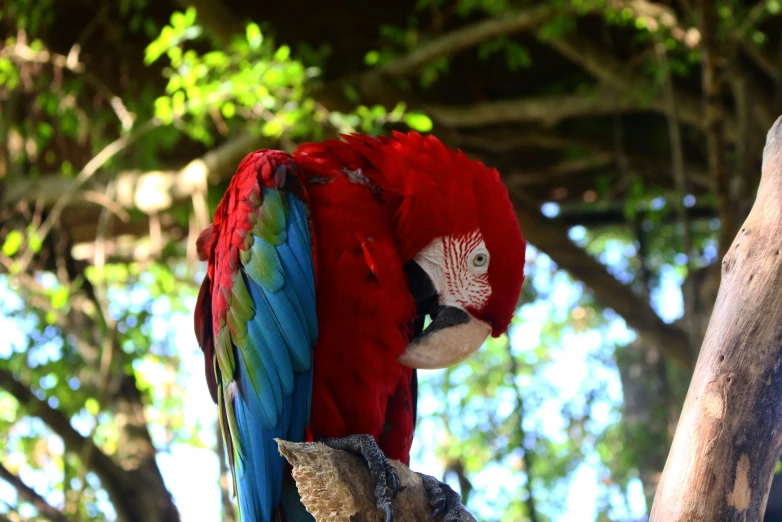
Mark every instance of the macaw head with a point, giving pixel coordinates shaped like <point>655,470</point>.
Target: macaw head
<point>460,242</point>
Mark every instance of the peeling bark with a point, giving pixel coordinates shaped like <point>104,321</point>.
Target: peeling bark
<point>729,436</point>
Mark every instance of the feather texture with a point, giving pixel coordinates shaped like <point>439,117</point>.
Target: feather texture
<point>260,296</point>
<point>362,207</point>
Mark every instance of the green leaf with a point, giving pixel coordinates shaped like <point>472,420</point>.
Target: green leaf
<point>371,58</point>
<point>178,20</point>
<point>351,93</point>
<point>190,16</point>
<point>558,27</point>
<point>418,121</point>
<point>33,240</point>
<point>163,110</point>
<point>178,103</point>
<point>228,109</point>
<point>272,128</point>
<point>45,130</point>
<point>282,54</point>
<point>60,297</point>
<point>13,241</point>
<point>254,36</point>
<point>92,406</point>
<point>517,57</point>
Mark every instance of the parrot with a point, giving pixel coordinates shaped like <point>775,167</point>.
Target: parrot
<point>322,268</point>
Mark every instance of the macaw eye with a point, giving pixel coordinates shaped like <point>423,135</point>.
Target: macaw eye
<point>480,259</point>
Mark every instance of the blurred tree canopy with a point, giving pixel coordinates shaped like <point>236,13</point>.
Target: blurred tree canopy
<point>629,133</point>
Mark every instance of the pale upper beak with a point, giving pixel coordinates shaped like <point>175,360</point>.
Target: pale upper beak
<point>451,337</point>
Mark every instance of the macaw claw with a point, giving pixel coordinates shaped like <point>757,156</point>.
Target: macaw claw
<point>384,477</point>
<point>442,498</point>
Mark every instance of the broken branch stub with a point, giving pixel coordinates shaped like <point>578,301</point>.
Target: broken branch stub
<point>335,486</point>
<point>729,436</point>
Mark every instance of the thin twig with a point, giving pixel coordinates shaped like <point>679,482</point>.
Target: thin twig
<point>20,52</point>
<point>101,199</point>
<point>752,18</point>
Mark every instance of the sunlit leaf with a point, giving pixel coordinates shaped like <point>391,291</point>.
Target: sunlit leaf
<point>13,241</point>
<point>254,36</point>
<point>418,121</point>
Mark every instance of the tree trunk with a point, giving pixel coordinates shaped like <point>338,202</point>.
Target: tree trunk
<point>729,437</point>
<point>136,454</point>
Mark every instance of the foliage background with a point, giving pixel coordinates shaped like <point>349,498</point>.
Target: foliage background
<point>629,133</point>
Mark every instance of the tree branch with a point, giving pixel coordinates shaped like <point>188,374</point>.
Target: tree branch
<point>728,440</point>
<point>22,53</point>
<point>547,109</point>
<point>92,166</point>
<point>518,178</point>
<point>458,40</point>
<point>110,474</point>
<point>714,118</point>
<point>147,191</point>
<point>551,237</point>
<point>765,62</point>
<point>680,182</point>
<point>607,69</point>
<point>463,38</point>
<point>499,144</point>
<point>30,495</point>
<point>335,485</point>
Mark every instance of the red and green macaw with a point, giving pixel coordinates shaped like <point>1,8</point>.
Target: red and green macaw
<point>321,268</point>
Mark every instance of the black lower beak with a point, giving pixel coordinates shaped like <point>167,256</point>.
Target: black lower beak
<point>444,317</point>
<point>451,337</point>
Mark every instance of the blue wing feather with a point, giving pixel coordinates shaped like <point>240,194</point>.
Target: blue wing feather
<point>274,370</point>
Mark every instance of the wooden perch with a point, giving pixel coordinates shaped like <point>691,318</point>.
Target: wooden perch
<point>729,437</point>
<point>335,486</point>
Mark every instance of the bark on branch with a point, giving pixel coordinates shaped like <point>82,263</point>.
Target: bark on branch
<point>604,67</point>
<point>714,113</point>
<point>151,191</point>
<point>552,238</point>
<point>126,488</point>
<point>106,469</point>
<point>335,485</point>
<point>463,38</point>
<point>27,493</point>
<point>547,109</point>
<point>729,436</point>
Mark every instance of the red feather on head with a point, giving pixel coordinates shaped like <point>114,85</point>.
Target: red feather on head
<point>441,192</point>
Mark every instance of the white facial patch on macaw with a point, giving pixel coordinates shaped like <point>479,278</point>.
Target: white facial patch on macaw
<point>458,266</point>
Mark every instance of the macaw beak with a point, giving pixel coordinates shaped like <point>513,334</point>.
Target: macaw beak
<point>451,337</point>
